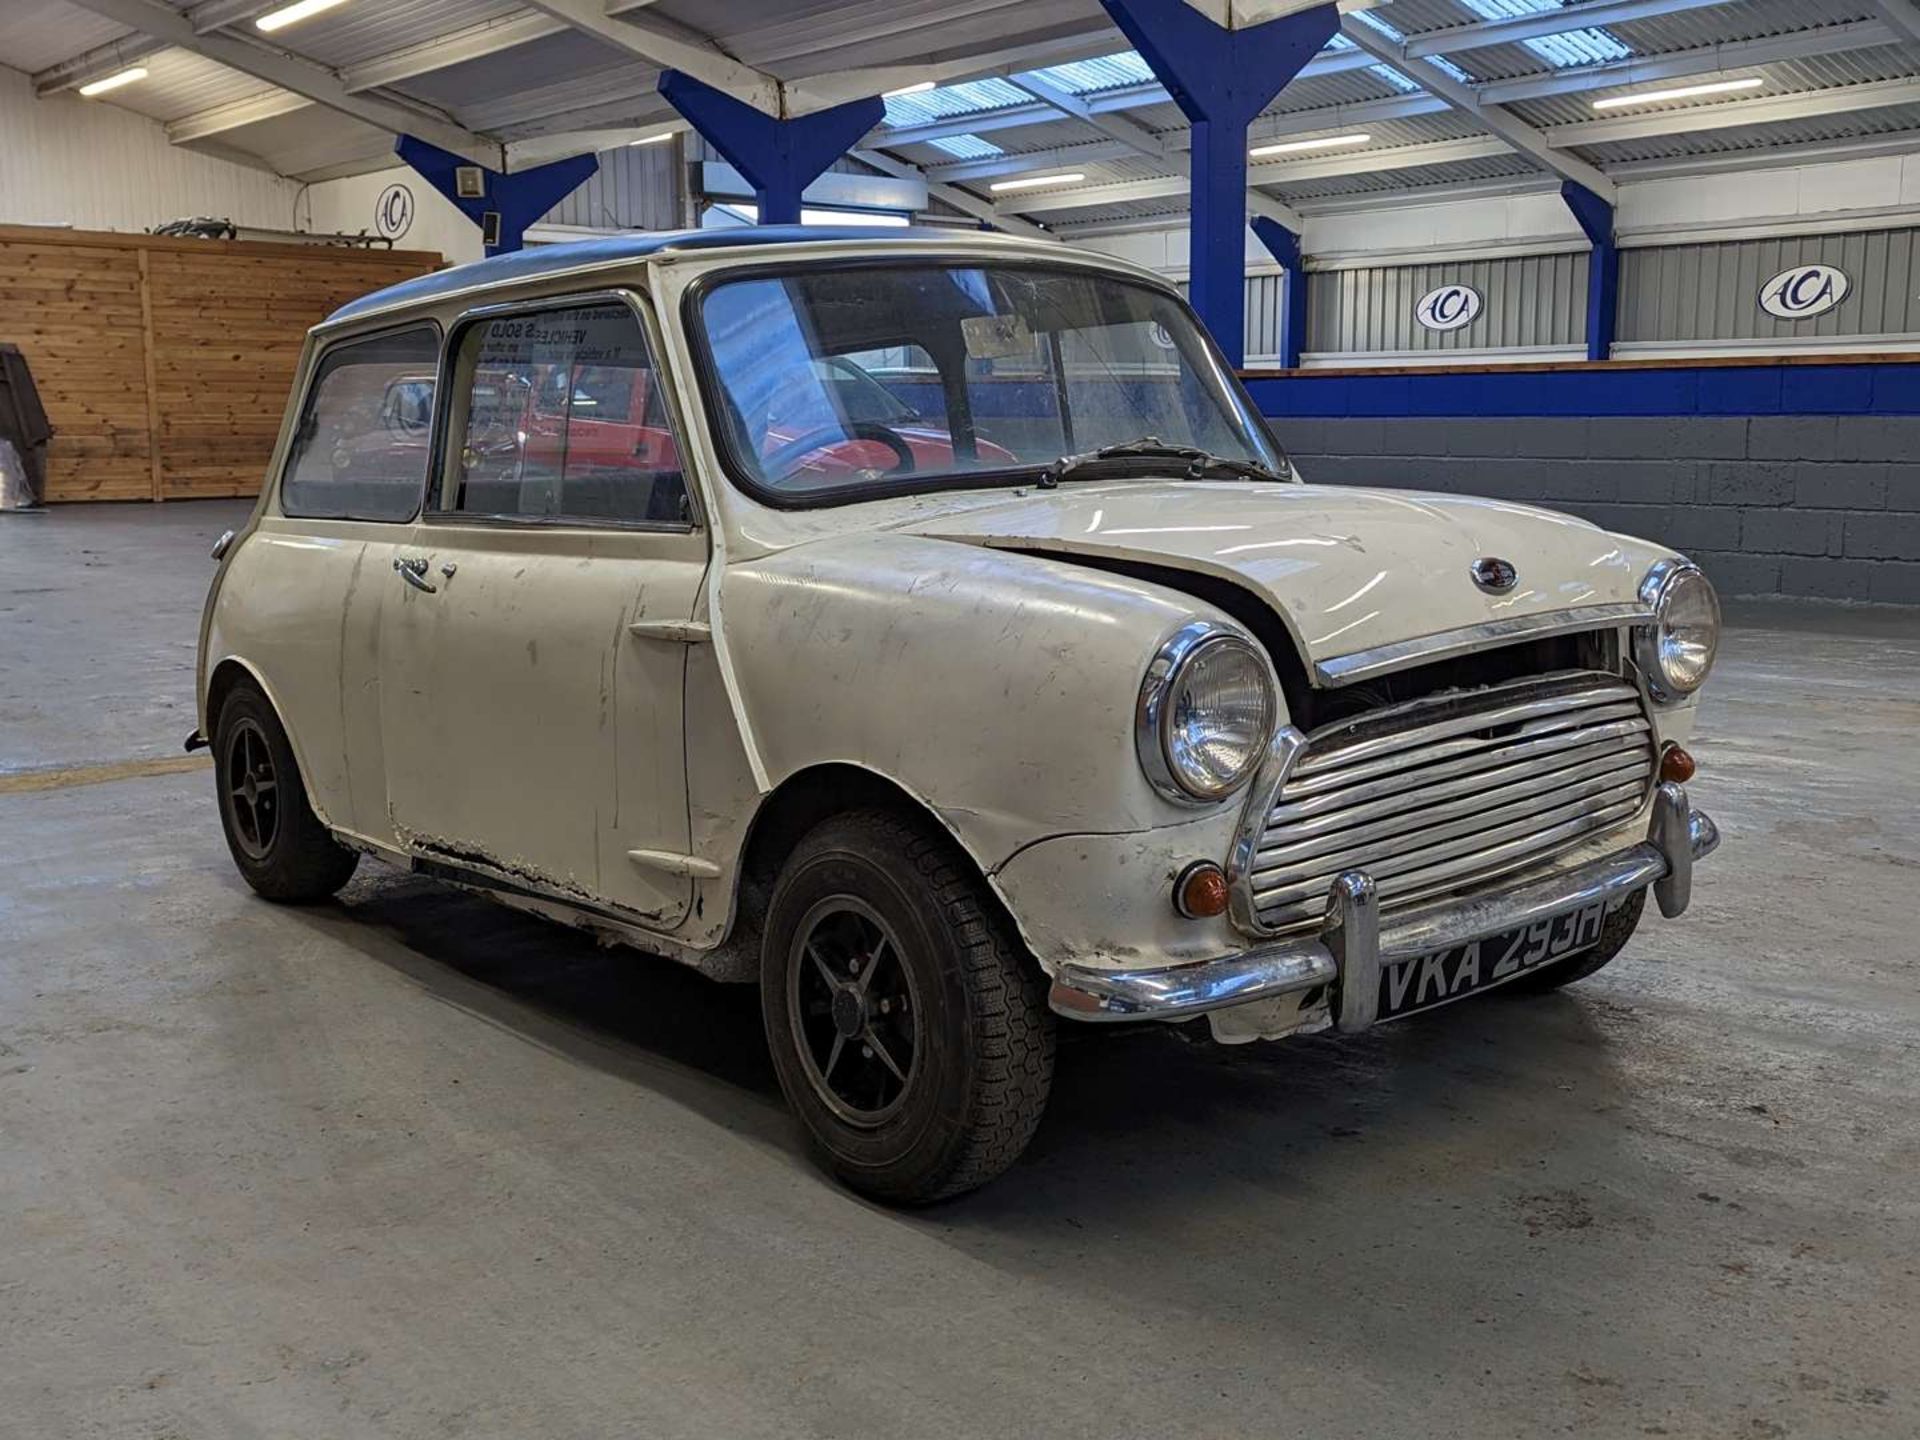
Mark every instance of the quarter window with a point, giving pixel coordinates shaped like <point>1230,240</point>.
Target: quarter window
<point>561,418</point>
<point>361,450</point>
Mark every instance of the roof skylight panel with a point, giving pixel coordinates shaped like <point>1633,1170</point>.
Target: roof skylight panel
<point>1588,46</point>
<point>966,147</point>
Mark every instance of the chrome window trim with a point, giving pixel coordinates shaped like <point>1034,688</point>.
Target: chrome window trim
<point>1357,665</point>
<point>1176,652</point>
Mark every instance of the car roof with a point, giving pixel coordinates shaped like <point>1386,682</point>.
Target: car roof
<point>540,260</point>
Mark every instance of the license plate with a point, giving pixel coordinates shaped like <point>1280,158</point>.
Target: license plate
<point>1423,982</point>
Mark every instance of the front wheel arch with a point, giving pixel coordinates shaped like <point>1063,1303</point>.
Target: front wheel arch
<point>804,800</point>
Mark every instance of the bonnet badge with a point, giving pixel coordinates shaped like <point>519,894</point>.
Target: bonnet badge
<point>1495,575</point>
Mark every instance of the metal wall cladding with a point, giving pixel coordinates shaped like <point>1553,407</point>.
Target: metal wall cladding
<point>636,188</point>
<point>1712,292</point>
<point>1266,304</point>
<point>1526,301</point>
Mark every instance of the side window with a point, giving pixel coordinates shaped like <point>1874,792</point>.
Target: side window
<point>558,417</point>
<point>365,430</point>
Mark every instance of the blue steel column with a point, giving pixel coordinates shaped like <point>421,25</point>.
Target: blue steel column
<point>1221,80</point>
<point>1603,266</point>
<point>519,198</point>
<point>779,158</point>
<point>1284,245</point>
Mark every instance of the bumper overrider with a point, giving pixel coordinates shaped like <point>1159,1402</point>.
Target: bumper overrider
<point>1353,944</point>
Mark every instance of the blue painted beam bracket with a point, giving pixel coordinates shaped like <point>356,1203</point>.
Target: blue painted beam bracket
<point>519,198</point>
<point>1284,245</point>
<point>1221,79</point>
<point>1595,217</point>
<point>778,157</point>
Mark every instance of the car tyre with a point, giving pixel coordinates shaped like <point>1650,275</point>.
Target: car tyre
<point>277,842</point>
<point>908,1026</point>
<point>1615,931</point>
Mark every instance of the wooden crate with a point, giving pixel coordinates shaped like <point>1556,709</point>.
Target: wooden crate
<point>164,363</point>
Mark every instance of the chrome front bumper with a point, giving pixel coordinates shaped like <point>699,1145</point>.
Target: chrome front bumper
<point>1348,951</point>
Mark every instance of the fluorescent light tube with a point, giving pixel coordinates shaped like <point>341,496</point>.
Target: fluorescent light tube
<point>293,14</point>
<point>1034,182</point>
<point>1684,92</point>
<point>113,82</point>
<point>1326,142</point>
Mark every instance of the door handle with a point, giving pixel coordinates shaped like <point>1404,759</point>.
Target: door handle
<point>413,570</point>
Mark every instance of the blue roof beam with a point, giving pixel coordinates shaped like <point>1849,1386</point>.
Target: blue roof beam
<point>1221,79</point>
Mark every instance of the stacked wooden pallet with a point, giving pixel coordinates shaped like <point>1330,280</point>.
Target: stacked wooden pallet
<point>164,363</point>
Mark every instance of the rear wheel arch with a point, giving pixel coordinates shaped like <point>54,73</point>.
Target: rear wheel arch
<point>233,671</point>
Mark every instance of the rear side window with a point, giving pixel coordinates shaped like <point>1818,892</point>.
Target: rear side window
<point>559,417</point>
<point>365,430</point>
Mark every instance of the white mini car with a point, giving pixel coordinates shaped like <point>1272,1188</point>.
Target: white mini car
<point>927,627</point>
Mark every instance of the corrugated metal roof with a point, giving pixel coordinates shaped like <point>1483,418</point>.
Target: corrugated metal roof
<point>1893,120</point>
<point>1495,167</point>
<point>36,34</point>
<point>946,101</point>
<point>570,81</point>
<point>354,33</point>
<point>1590,46</point>
<point>571,61</point>
<point>966,147</point>
<point>1792,77</point>
<point>180,84</point>
<point>1105,72</point>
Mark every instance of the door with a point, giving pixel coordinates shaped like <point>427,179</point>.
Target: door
<point>531,734</point>
<point>350,490</point>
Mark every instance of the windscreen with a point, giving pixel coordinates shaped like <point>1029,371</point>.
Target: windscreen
<point>840,381</point>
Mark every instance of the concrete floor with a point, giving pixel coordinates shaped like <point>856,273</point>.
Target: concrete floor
<point>411,1165</point>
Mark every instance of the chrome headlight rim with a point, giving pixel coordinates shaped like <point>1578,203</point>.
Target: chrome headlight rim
<point>1657,590</point>
<point>1152,733</point>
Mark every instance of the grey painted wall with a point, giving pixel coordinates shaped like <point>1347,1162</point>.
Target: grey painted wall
<point>1820,505</point>
<point>1711,292</point>
<point>1527,300</point>
<point>1675,293</point>
<point>636,188</point>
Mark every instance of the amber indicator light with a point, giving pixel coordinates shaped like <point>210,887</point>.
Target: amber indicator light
<point>1201,891</point>
<point>1676,764</point>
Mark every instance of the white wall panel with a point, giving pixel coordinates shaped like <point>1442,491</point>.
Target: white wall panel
<point>1492,220</point>
<point>347,206</point>
<point>68,161</point>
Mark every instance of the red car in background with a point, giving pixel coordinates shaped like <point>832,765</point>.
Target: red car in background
<point>597,422</point>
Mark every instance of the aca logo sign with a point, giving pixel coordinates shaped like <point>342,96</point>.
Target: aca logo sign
<point>1803,292</point>
<point>393,212</point>
<point>1448,308</point>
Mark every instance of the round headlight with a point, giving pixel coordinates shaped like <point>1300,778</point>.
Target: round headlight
<point>1207,712</point>
<point>1676,651</point>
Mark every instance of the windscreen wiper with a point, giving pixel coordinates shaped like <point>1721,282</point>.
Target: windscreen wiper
<point>1199,464</point>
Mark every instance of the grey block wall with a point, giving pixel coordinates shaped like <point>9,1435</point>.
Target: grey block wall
<point>1811,505</point>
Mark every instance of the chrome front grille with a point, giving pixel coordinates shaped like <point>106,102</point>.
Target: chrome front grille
<point>1446,793</point>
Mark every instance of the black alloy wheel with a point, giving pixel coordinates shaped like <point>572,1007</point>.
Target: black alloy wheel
<point>251,789</point>
<point>852,1005</point>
